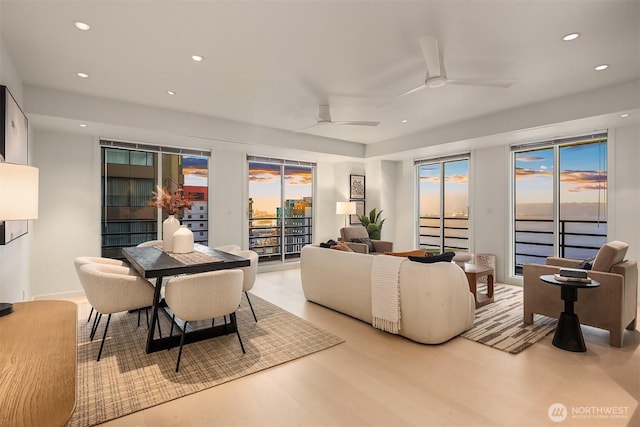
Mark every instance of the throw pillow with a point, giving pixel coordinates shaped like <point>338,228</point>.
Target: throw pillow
<point>445,257</point>
<point>342,247</point>
<point>365,240</point>
<point>586,264</point>
<point>417,252</point>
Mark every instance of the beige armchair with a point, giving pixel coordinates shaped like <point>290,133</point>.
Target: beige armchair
<point>611,306</point>
<point>351,234</point>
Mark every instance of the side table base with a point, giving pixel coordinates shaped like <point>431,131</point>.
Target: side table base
<point>568,335</point>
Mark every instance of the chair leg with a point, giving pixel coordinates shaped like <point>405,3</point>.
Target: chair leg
<point>181,344</point>
<point>235,323</point>
<point>146,311</point>
<point>251,306</point>
<point>173,320</point>
<point>139,319</point>
<point>103,338</point>
<point>90,314</point>
<point>96,322</point>
<point>158,323</point>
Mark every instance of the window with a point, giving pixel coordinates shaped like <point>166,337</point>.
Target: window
<point>280,207</point>
<point>443,201</point>
<point>560,199</point>
<point>130,173</point>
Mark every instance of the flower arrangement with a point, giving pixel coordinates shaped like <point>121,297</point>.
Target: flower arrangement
<point>171,202</point>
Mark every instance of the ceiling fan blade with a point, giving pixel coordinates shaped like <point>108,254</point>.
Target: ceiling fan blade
<point>414,90</point>
<point>503,83</point>
<point>356,123</point>
<point>429,46</point>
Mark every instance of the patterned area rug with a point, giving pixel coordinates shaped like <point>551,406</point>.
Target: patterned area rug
<point>127,379</point>
<point>499,325</point>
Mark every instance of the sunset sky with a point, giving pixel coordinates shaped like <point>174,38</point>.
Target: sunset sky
<point>456,188</point>
<point>195,170</point>
<point>265,184</point>
<point>583,171</point>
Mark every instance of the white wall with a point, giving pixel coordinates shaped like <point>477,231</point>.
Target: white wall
<point>69,222</point>
<point>14,257</point>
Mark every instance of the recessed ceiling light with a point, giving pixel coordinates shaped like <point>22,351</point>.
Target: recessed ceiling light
<point>404,121</point>
<point>83,75</point>
<point>170,92</point>
<point>82,25</point>
<point>601,67</point>
<point>197,58</point>
<point>625,115</point>
<point>571,36</point>
<point>82,125</point>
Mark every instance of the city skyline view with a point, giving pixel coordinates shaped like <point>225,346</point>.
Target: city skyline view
<point>266,182</point>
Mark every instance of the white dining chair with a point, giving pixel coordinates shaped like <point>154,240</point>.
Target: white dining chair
<point>249,275</point>
<point>110,289</point>
<point>204,296</point>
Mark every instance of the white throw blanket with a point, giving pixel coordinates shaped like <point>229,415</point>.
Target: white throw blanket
<point>385,292</point>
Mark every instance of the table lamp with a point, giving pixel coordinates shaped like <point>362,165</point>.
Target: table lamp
<point>18,199</point>
<point>346,209</point>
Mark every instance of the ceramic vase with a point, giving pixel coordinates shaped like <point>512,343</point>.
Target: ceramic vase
<point>183,240</point>
<point>169,226</point>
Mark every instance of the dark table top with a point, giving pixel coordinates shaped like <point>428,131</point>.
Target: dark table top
<point>151,262</point>
<point>550,278</point>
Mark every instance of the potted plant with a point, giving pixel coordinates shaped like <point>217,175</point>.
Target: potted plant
<point>372,223</point>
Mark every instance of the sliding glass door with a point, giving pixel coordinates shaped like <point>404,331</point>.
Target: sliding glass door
<point>560,199</point>
<point>130,173</point>
<point>280,208</point>
<point>443,200</point>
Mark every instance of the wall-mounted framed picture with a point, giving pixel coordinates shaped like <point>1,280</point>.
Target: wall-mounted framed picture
<point>13,147</point>
<point>353,219</point>
<point>356,187</point>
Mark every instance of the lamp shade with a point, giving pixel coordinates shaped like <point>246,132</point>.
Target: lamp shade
<point>18,192</point>
<point>345,208</point>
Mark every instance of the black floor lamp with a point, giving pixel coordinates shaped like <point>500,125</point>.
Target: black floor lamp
<point>18,200</point>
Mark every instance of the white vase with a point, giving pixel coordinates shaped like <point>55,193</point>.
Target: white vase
<point>183,240</point>
<point>169,226</point>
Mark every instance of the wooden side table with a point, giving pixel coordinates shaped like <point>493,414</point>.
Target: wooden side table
<point>473,273</point>
<point>38,363</point>
<point>568,335</point>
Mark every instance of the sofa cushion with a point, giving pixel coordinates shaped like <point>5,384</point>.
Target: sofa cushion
<point>367,241</point>
<point>609,255</point>
<point>416,252</point>
<point>445,257</point>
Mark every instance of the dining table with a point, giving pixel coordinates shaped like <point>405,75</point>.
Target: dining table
<point>152,262</point>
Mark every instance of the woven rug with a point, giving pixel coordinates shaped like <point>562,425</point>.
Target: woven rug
<point>127,379</point>
<point>499,325</point>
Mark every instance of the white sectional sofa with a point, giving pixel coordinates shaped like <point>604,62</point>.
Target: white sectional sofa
<point>435,302</point>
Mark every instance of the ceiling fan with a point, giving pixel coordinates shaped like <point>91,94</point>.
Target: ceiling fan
<point>437,77</point>
<point>324,117</point>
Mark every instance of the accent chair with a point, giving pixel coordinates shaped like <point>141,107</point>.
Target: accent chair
<point>612,306</point>
<point>357,238</point>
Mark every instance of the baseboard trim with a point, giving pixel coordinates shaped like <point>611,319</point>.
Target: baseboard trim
<point>61,295</point>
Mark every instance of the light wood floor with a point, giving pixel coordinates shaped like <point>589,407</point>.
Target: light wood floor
<point>378,379</point>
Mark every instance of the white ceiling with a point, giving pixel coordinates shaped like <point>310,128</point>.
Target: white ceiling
<point>271,63</point>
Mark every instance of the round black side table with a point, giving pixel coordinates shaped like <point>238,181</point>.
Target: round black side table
<point>568,335</point>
